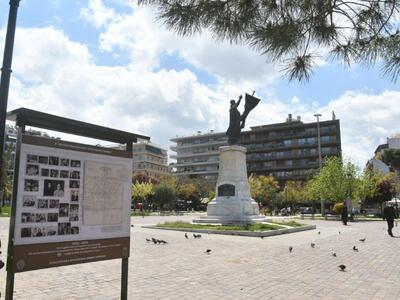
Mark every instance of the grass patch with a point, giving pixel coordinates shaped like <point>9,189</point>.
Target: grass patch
<point>249,227</point>
<point>290,223</point>
<point>5,211</point>
<point>140,213</point>
<point>356,219</point>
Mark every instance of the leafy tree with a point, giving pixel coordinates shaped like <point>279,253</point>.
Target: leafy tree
<point>292,193</point>
<point>164,195</point>
<point>263,189</point>
<point>391,157</point>
<point>295,32</point>
<point>386,189</point>
<point>6,180</point>
<point>336,180</point>
<point>212,195</point>
<point>188,191</point>
<point>141,177</point>
<point>142,191</point>
<point>367,186</point>
<point>205,187</point>
<point>194,190</point>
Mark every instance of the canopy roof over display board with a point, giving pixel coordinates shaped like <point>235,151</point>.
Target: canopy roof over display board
<point>29,117</point>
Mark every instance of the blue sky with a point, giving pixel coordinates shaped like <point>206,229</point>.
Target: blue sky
<point>122,69</point>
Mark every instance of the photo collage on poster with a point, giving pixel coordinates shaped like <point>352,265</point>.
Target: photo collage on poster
<point>54,209</point>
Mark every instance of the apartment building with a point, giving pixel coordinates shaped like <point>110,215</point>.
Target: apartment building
<point>287,151</point>
<point>197,156</point>
<point>149,159</point>
<point>377,163</point>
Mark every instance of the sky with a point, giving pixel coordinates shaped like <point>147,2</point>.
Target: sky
<point>112,63</point>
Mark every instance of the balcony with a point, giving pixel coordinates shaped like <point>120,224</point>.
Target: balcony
<point>289,156</point>
<point>188,146</point>
<point>279,137</point>
<point>187,155</point>
<point>312,165</point>
<point>265,148</point>
<point>196,172</point>
<point>198,163</point>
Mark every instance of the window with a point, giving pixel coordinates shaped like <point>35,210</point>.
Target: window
<point>311,140</point>
<point>287,142</point>
<point>325,139</point>
<point>310,131</point>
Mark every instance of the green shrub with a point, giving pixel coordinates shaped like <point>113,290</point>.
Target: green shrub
<point>338,207</point>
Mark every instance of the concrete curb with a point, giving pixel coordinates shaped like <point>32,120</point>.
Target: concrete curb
<point>240,233</point>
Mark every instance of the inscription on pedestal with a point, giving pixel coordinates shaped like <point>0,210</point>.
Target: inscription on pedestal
<point>226,190</point>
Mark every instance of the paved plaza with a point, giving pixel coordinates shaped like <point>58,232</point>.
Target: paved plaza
<point>237,268</point>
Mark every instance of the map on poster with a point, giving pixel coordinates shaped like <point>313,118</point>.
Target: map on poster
<point>104,193</point>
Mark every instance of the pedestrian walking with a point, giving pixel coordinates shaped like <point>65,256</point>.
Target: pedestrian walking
<point>345,213</point>
<point>389,215</point>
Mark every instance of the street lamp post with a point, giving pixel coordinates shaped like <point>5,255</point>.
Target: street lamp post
<point>320,157</point>
<point>5,80</point>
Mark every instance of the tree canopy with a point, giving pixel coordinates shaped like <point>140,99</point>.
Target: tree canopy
<point>263,189</point>
<point>141,191</point>
<point>296,32</point>
<point>336,180</point>
<point>293,193</point>
<point>391,157</point>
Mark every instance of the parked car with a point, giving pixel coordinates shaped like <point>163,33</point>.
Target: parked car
<point>305,210</point>
<point>284,212</point>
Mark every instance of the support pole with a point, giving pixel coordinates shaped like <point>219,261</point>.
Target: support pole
<point>124,278</point>
<point>320,158</point>
<point>5,80</point>
<point>11,230</point>
<point>125,260</point>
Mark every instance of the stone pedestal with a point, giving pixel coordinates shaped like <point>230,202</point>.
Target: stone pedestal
<point>233,203</point>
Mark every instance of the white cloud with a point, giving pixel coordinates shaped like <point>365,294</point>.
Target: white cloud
<point>146,39</point>
<point>97,13</point>
<point>366,120</point>
<point>60,76</point>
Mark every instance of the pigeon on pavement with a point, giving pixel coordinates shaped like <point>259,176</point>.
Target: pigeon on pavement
<point>312,245</point>
<point>290,249</point>
<point>342,267</point>
<point>362,240</point>
<point>208,251</point>
<point>186,236</point>
<point>355,248</point>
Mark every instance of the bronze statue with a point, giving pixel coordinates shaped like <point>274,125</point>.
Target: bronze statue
<point>237,121</point>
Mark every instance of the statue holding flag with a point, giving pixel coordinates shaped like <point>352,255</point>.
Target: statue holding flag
<point>237,121</point>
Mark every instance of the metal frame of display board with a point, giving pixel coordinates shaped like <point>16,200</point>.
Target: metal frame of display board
<point>26,117</point>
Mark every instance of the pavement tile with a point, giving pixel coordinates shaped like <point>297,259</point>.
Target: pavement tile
<point>237,268</point>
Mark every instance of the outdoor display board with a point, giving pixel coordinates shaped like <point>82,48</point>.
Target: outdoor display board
<point>73,204</point>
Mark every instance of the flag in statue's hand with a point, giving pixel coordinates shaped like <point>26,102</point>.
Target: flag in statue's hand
<point>250,103</point>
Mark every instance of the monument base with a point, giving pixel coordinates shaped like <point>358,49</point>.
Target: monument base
<point>231,210</point>
<point>233,205</point>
